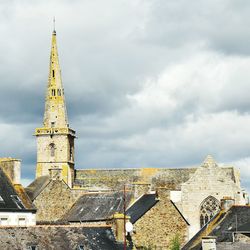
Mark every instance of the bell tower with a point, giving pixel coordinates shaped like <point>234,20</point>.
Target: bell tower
<point>55,140</point>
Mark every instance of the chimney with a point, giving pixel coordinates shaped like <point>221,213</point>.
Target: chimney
<point>209,243</point>
<point>119,226</point>
<point>12,168</point>
<point>227,203</point>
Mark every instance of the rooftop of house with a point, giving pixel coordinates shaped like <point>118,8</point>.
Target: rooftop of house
<point>13,197</point>
<point>97,206</point>
<point>141,206</point>
<point>36,187</point>
<point>223,225</point>
<point>59,237</point>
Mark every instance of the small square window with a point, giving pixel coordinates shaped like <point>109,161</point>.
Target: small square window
<point>22,221</point>
<point>4,221</point>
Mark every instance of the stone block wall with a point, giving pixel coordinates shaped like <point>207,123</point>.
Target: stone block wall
<point>158,227</point>
<point>55,200</point>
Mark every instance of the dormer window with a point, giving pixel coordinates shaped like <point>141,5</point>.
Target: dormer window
<point>17,201</point>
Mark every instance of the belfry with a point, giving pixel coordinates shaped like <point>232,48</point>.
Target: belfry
<point>55,140</point>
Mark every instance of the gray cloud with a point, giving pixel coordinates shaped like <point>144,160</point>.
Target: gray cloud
<point>147,83</point>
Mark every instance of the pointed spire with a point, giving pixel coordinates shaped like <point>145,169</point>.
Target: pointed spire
<point>209,162</point>
<point>55,114</point>
<point>54,25</point>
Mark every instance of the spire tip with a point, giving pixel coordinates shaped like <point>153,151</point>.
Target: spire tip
<point>54,25</point>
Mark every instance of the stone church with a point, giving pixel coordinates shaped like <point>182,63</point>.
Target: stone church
<point>192,195</point>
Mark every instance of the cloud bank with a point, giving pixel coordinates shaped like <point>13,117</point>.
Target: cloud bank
<point>148,83</point>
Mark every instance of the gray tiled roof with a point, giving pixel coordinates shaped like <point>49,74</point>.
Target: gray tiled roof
<point>36,187</point>
<point>96,207</point>
<point>141,206</point>
<point>58,237</point>
<point>222,226</point>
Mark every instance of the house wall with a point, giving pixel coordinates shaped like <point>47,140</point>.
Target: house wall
<point>13,219</point>
<point>55,200</point>
<point>158,227</point>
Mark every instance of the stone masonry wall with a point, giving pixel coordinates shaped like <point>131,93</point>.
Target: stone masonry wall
<point>55,200</point>
<point>159,226</point>
<point>208,180</point>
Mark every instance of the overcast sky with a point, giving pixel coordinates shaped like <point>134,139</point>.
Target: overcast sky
<point>148,83</point>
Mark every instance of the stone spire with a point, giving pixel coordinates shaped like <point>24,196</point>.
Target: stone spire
<point>209,162</point>
<point>55,114</point>
<point>55,140</point>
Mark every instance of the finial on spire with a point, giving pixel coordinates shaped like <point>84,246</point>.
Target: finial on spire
<point>54,25</point>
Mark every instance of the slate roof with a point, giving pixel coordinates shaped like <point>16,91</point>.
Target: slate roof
<point>244,228</point>
<point>96,207</point>
<point>9,198</point>
<point>36,187</point>
<point>222,226</point>
<point>141,206</point>
<point>59,237</point>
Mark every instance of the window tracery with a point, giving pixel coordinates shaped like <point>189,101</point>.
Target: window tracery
<point>209,207</point>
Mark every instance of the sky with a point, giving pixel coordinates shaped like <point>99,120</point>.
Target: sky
<point>148,83</point>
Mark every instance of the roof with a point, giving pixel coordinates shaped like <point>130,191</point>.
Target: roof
<point>58,237</point>
<point>37,186</point>
<point>96,207</point>
<point>232,246</point>
<point>141,206</point>
<point>9,198</point>
<point>23,196</point>
<point>172,178</point>
<point>244,228</point>
<point>222,226</point>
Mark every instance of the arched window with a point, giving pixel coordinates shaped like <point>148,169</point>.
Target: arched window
<point>208,209</point>
<point>52,149</point>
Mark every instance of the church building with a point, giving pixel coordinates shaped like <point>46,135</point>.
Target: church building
<point>194,195</point>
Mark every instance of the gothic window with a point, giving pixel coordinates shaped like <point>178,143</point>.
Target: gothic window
<point>209,207</point>
<point>53,73</point>
<point>52,149</point>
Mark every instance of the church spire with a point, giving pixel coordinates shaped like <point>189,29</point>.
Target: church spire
<point>55,140</point>
<point>55,114</point>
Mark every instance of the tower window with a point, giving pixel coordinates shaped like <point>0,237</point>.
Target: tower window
<point>59,93</point>
<point>53,73</point>
<point>53,92</point>
<point>52,124</point>
<point>52,149</point>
